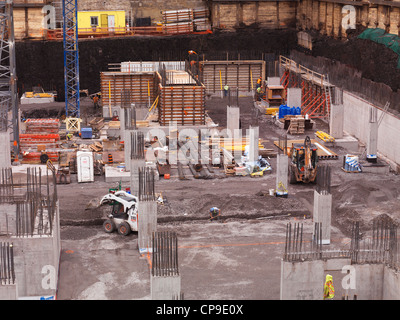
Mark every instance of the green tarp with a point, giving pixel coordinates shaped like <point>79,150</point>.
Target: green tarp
<point>379,36</point>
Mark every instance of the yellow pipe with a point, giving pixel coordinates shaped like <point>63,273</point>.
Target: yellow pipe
<point>109,97</point>
<point>154,104</point>
<point>220,79</point>
<point>251,79</point>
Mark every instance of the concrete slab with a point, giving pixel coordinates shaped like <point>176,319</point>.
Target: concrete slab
<point>347,142</point>
<point>378,168</point>
<point>114,174</point>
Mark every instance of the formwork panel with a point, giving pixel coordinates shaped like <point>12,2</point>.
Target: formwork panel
<point>236,74</point>
<point>182,104</point>
<point>139,85</point>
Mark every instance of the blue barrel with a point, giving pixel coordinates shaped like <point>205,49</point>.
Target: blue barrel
<point>281,111</point>
<point>298,110</point>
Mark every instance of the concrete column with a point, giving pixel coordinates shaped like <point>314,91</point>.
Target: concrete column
<point>253,143</point>
<point>294,97</point>
<point>372,142</point>
<point>165,288</point>
<point>322,214</point>
<point>233,118</point>
<point>282,171</point>
<point>125,134</point>
<point>5,154</point>
<point>147,224</point>
<point>336,121</point>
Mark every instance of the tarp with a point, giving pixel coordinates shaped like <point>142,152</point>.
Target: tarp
<point>380,36</point>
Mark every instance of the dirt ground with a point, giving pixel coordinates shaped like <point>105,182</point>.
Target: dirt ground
<point>237,257</point>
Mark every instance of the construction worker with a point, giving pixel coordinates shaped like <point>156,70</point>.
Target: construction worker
<point>96,102</point>
<point>329,290</point>
<point>259,81</point>
<point>214,213</point>
<point>226,89</point>
<point>259,93</point>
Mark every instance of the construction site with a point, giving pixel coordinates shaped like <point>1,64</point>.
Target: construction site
<point>201,150</point>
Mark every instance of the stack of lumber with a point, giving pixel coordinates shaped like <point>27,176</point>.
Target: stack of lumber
<point>297,124</point>
<point>96,147</point>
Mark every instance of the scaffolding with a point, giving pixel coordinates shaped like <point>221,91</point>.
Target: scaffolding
<point>316,91</point>
<point>8,77</point>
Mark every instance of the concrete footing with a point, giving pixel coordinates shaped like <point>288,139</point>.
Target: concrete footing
<point>135,164</point>
<point>379,167</point>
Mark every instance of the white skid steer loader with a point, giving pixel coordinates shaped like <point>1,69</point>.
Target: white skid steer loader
<point>124,214</point>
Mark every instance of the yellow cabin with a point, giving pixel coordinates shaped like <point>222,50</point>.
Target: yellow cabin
<point>97,22</point>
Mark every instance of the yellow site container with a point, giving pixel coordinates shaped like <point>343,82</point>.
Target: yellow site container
<point>98,22</point>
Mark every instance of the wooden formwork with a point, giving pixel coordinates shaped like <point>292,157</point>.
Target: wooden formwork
<point>183,104</point>
<point>142,87</point>
<point>241,74</point>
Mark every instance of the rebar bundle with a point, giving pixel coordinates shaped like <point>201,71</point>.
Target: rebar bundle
<point>380,247</point>
<point>146,184</point>
<point>7,272</point>
<point>34,208</point>
<point>323,180</point>
<point>137,145</point>
<point>165,254</point>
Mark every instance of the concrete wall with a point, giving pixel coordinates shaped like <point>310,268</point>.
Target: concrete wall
<point>391,284</point>
<point>304,280</point>
<point>356,120</point>
<point>165,288</point>
<point>37,263</point>
<point>9,292</point>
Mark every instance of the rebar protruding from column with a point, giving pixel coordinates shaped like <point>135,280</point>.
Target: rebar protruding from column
<point>323,180</point>
<point>137,145</point>
<point>165,254</point>
<point>282,144</point>
<point>146,184</point>
<point>7,271</point>
<point>373,115</point>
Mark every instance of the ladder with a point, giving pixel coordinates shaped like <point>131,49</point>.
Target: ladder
<point>328,96</point>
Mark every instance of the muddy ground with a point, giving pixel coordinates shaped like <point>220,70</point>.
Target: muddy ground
<point>236,257</point>
<point>356,196</point>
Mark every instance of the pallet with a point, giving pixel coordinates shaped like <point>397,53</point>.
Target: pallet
<point>350,171</point>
